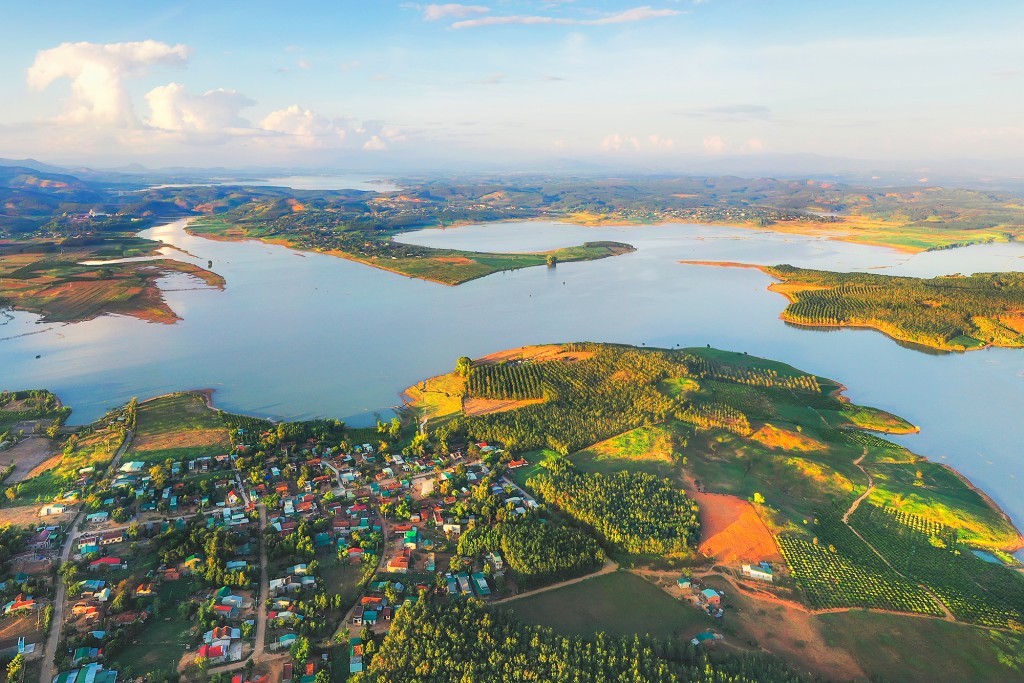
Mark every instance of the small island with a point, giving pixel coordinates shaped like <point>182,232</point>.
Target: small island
<point>949,313</point>
<point>445,266</point>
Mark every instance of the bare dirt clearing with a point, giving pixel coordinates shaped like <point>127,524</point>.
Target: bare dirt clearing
<point>733,531</point>
<point>32,455</point>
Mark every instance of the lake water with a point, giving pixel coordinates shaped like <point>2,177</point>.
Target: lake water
<point>301,182</point>
<point>301,335</point>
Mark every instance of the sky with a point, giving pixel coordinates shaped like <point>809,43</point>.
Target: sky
<point>368,83</point>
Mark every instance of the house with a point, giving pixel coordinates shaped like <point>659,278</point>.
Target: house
<point>761,572</point>
<point>90,673</point>
<point>226,611</point>
<point>355,655</point>
<point>370,617</point>
<point>711,597</point>
<point>233,498</point>
<point>53,509</point>
<point>480,584</point>
<point>705,637</point>
<point>104,563</point>
<point>85,654</point>
<point>398,565</point>
<point>236,601</point>
<point>357,615</point>
<point>144,589</point>
<point>88,548</point>
<point>97,517</point>
<point>193,561</point>
<point>299,569</point>
<point>215,654</point>
<point>111,537</point>
<point>684,582</point>
<point>19,604</point>
<point>44,539</point>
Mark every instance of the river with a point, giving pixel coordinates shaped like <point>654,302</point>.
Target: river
<point>298,335</point>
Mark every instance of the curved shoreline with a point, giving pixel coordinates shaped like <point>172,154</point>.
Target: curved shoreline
<point>780,288</point>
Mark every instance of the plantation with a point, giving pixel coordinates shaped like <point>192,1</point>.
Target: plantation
<point>617,389</point>
<point>630,512</point>
<point>952,312</point>
<point>974,590</point>
<point>828,579</point>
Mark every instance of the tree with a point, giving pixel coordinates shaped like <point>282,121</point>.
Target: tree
<point>299,650</point>
<point>16,668</point>
<point>552,260</point>
<point>463,365</point>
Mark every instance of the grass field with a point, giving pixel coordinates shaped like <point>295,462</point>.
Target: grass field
<point>644,449</point>
<point>161,643</point>
<point>618,604</point>
<point>896,648</point>
<point>177,426</point>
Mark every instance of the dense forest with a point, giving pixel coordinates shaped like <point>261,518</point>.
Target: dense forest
<point>951,312</point>
<point>467,642</point>
<point>631,512</point>
<point>538,551</point>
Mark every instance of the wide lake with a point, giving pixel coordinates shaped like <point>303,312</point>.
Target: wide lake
<point>298,335</point>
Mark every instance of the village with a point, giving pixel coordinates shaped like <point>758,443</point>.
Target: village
<point>284,558</point>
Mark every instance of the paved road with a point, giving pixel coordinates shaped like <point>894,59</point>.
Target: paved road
<point>46,672</point>
<point>259,649</point>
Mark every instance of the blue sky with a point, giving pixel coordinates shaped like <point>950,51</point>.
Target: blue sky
<point>342,82</point>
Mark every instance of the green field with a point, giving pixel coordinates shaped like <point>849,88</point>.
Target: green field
<point>617,604</point>
<point>178,426</point>
<point>897,648</point>
<point>163,641</point>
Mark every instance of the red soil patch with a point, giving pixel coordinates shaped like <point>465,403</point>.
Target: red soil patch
<point>484,406</point>
<point>732,530</point>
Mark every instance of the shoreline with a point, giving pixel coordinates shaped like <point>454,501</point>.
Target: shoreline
<point>779,287</point>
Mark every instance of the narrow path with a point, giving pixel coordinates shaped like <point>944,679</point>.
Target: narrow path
<point>948,616</point>
<point>609,567</point>
<point>867,491</point>
<point>46,672</point>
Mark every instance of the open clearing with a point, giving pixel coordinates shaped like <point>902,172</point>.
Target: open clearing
<point>546,352</point>
<point>485,406</point>
<point>175,425</point>
<point>787,631</point>
<point>901,648</point>
<point>28,455</point>
<point>619,603</point>
<point>733,531</point>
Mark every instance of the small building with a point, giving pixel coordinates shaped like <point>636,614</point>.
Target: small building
<point>684,582</point>
<point>711,597</point>
<point>761,572</point>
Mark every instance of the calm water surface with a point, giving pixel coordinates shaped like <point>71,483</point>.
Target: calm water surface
<point>300,335</point>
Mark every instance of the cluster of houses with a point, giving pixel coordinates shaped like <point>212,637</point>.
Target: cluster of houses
<point>90,673</point>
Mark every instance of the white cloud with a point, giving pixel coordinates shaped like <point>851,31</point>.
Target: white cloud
<point>97,71</point>
<point>612,143</point>
<point>714,145</point>
<point>173,108</point>
<point>627,16</point>
<point>375,144</point>
<point>435,12</point>
<point>304,126</point>
<point>754,145</point>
